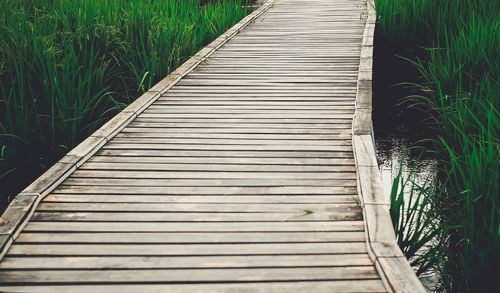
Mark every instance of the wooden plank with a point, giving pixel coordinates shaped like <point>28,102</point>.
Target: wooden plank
<point>327,226</point>
<point>400,274</point>
<point>252,110</point>
<point>15,214</point>
<point>298,216</point>
<point>249,128</point>
<point>266,89</point>
<point>186,124</point>
<point>310,53</point>
<point>184,249</point>
<point>261,182</point>
<point>209,190</point>
<point>48,180</point>
<point>229,141</point>
<point>218,147</point>
<point>198,207</point>
<point>251,106</point>
<point>252,115</point>
<point>191,275</point>
<point>167,119</point>
<point>176,238</point>
<point>158,174</point>
<point>288,59</point>
<point>288,162</point>
<point>256,100</point>
<point>339,286</point>
<point>316,82</point>
<point>264,68</point>
<point>342,133</point>
<point>245,96</point>
<point>246,199</point>
<point>236,137</point>
<point>141,262</point>
<point>370,186</point>
<point>229,154</point>
<point>284,75</point>
<point>336,105</point>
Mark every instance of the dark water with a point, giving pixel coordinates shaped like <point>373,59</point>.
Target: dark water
<point>400,131</point>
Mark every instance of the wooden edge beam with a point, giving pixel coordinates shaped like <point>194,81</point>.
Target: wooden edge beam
<point>390,262</point>
<point>21,209</point>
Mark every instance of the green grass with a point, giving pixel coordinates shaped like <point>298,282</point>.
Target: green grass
<point>415,223</point>
<point>461,69</point>
<point>66,66</point>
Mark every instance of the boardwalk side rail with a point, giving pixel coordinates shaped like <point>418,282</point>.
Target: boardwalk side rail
<point>390,262</point>
<point>21,209</point>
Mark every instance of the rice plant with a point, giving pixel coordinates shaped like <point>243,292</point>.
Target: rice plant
<point>66,66</point>
<point>461,69</point>
<point>415,222</point>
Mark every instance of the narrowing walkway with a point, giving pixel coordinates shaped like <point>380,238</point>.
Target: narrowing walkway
<point>234,174</point>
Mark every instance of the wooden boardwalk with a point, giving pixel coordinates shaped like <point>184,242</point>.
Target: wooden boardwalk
<point>239,178</point>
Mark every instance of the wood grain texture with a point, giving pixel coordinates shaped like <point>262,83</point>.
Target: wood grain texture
<point>340,286</point>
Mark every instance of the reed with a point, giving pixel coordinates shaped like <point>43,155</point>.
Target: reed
<point>66,66</point>
<point>461,69</point>
<point>415,222</point>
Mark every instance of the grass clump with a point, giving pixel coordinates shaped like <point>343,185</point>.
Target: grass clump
<point>415,223</point>
<point>460,67</point>
<point>66,66</point>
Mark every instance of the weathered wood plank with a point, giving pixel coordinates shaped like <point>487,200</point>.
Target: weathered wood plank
<point>186,124</point>
<point>229,154</point>
<point>253,115</point>
<point>263,198</point>
<point>261,106</point>
<point>339,286</point>
<point>191,275</point>
<point>284,75</point>
<point>298,216</point>
<point>326,226</point>
<point>141,262</point>
<point>176,238</point>
<point>201,217</point>
<point>198,207</point>
<point>185,249</point>
<point>238,130</point>
<point>238,136</point>
<point>158,174</point>
<point>288,162</point>
<point>209,190</point>
<point>232,141</point>
<point>266,89</point>
<point>75,181</point>
<point>232,147</point>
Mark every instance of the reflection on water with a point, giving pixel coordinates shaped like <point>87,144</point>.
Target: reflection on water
<point>394,153</point>
<point>390,160</point>
<point>398,129</point>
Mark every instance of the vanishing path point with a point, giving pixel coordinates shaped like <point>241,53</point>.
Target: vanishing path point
<point>242,171</point>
